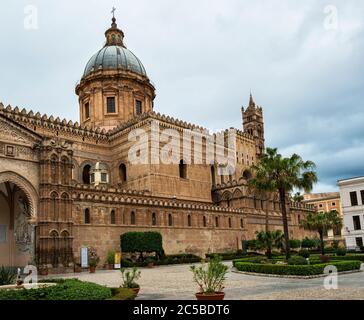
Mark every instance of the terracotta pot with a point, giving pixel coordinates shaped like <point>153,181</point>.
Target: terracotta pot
<point>44,272</point>
<point>217,296</point>
<point>136,291</point>
<point>92,269</point>
<point>151,265</point>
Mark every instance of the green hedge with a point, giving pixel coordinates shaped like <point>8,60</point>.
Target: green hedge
<point>71,289</point>
<point>141,242</point>
<point>301,270</point>
<point>166,260</point>
<point>232,255</point>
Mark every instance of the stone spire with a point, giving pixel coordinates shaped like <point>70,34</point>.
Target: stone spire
<point>114,36</point>
<point>251,101</point>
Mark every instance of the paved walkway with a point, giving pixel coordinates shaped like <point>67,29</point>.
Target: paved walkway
<point>175,282</point>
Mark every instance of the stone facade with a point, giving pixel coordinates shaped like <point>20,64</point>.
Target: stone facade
<point>82,189</point>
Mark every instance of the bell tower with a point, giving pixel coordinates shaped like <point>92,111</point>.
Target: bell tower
<point>253,124</point>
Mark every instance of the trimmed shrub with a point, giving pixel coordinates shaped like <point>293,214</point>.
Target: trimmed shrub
<point>295,244</point>
<point>348,257</point>
<point>71,289</point>
<point>166,260</point>
<point>141,242</point>
<point>297,260</point>
<point>301,270</point>
<point>304,253</point>
<point>310,243</point>
<point>324,258</point>
<point>341,252</point>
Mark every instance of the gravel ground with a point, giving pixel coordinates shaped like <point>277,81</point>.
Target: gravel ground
<point>175,282</point>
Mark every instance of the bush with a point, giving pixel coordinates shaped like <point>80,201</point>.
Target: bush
<point>304,253</point>
<point>130,277</point>
<point>300,270</point>
<point>227,255</point>
<point>310,243</point>
<point>64,290</point>
<point>141,242</point>
<point>295,244</point>
<point>352,257</point>
<point>166,260</point>
<point>259,259</point>
<point>297,260</point>
<point>341,252</point>
<point>7,275</point>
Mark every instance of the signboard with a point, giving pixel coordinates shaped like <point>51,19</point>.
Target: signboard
<point>117,264</point>
<point>84,257</point>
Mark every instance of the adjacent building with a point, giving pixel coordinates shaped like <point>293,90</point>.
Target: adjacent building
<point>326,202</point>
<point>352,201</point>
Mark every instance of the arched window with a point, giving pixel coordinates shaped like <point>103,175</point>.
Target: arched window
<point>182,169</point>
<point>112,217</point>
<point>54,211</point>
<point>204,222</point>
<point>132,218</point>
<point>154,219</point>
<point>122,173</point>
<point>87,217</point>
<point>189,221</point>
<point>217,222</point>
<point>213,177</point>
<point>241,223</point>
<point>247,175</point>
<point>230,224</point>
<point>86,174</point>
<point>170,220</point>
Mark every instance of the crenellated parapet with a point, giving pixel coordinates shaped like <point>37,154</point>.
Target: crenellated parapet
<point>34,121</point>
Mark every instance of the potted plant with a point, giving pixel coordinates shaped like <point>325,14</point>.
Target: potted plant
<point>110,260</point>
<point>129,279</point>
<point>210,279</point>
<point>93,260</point>
<point>150,262</point>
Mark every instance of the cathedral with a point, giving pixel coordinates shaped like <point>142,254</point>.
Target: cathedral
<point>66,185</point>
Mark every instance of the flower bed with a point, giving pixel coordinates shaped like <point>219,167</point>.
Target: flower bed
<point>301,270</point>
<point>167,260</point>
<point>70,289</point>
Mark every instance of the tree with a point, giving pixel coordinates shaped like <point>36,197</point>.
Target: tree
<point>298,197</point>
<point>320,222</point>
<point>268,240</point>
<point>275,173</point>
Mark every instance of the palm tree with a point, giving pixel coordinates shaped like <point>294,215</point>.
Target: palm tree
<point>268,240</point>
<point>275,173</point>
<point>320,222</point>
<point>298,197</point>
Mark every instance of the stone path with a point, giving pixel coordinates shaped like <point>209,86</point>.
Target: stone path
<point>175,282</point>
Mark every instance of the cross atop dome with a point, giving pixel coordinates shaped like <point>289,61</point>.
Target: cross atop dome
<point>114,36</point>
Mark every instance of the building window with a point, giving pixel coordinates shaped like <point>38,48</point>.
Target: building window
<point>87,217</point>
<point>299,219</point>
<point>337,231</point>
<point>170,220</point>
<point>189,221</point>
<point>213,178</point>
<point>353,198</point>
<point>362,196</point>
<point>320,205</point>
<point>230,224</point>
<point>138,107</point>
<point>204,222</point>
<point>333,204</point>
<point>104,177</point>
<point>110,103</point>
<point>241,223</point>
<point>182,169</point>
<point>122,173</point>
<point>112,217</point>
<point>86,174</point>
<point>356,222</point>
<point>154,219</point>
<point>92,178</point>
<point>217,222</point>
<point>132,218</point>
<point>359,241</point>
<point>87,110</point>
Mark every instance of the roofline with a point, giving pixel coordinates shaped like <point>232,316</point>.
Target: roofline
<point>353,179</point>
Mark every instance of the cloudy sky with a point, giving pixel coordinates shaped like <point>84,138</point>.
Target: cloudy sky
<point>303,61</point>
